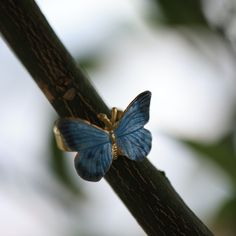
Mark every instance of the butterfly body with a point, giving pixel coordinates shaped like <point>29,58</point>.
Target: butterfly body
<point>123,134</point>
<point>110,126</point>
<point>114,145</point>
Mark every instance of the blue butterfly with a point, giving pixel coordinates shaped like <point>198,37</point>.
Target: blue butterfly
<point>124,134</point>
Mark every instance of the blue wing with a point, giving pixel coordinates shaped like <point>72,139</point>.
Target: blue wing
<point>92,164</point>
<point>133,140</point>
<point>92,144</point>
<point>136,145</point>
<point>136,114</point>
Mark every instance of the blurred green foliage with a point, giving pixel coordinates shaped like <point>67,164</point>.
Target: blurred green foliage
<point>224,221</point>
<point>185,12</point>
<point>223,155</point>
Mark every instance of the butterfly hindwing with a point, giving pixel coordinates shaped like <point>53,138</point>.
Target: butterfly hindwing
<point>92,164</point>
<point>133,140</point>
<point>92,144</point>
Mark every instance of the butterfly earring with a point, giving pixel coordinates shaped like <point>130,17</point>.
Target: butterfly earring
<point>124,134</point>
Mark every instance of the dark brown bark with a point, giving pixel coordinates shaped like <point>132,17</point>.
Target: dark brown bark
<point>145,190</point>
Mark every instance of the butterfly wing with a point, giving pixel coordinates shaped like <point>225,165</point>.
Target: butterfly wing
<point>92,164</point>
<point>92,144</point>
<point>133,140</point>
<point>136,145</point>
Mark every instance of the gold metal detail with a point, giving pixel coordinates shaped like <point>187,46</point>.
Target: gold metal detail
<point>59,139</point>
<point>110,126</point>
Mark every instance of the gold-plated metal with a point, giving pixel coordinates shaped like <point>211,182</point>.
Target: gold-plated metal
<point>59,139</point>
<point>110,126</point>
<point>105,120</point>
<point>113,137</point>
<point>113,115</point>
<point>119,115</point>
<point>114,151</point>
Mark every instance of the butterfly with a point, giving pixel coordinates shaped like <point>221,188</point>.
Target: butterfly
<point>124,134</point>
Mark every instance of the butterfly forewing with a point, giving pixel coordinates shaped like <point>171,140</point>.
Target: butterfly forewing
<point>92,144</point>
<point>136,114</point>
<point>136,145</point>
<point>78,134</point>
<point>131,137</point>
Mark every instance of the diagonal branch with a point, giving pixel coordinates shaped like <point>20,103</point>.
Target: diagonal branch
<point>145,191</point>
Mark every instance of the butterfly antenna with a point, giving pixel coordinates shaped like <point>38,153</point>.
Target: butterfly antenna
<point>105,120</point>
<point>119,115</point>
<point>113,115</point>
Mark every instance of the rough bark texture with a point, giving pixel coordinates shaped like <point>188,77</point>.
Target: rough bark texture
<point>145,191</point>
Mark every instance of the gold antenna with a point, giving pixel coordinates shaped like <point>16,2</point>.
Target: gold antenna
<point>105,120</point>
<point>113,115</point>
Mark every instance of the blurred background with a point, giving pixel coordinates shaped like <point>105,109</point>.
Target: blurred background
<point>184,53</point>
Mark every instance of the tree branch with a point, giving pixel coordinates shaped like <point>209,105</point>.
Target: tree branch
<point>145,191</point>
